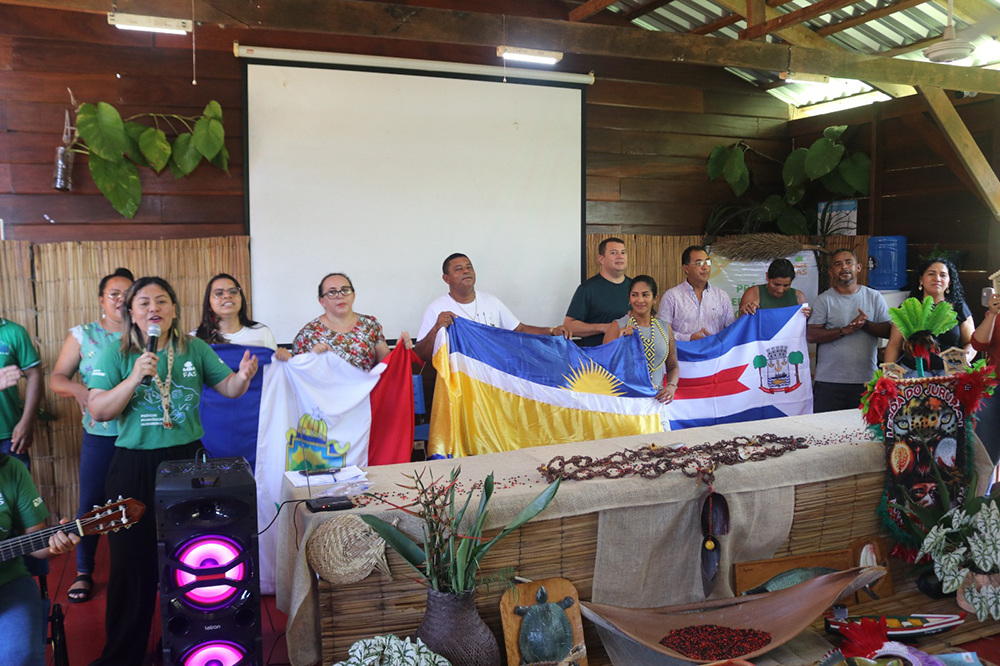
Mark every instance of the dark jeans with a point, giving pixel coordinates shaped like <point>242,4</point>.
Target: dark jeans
<point>5,445</point>
<point>95,458</point>
<point>831,397</point>
<point>134,574</point>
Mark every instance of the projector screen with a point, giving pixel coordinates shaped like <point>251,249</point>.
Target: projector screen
<point>382,174</point>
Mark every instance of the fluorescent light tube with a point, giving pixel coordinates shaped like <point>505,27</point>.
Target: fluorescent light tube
<point>529,55</point>
<point>142,23</point>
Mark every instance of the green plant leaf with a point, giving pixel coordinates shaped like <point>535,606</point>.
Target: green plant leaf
<point>174,169</point>
<point>402,544</point>
<point>133,131</point>
<point>184,155</point>
<point>119,182</point>
<point>822,158</point>
<point>833,133</point>
<point>155,148</point>
<point>834,182</point>
<point>774,206</point>
<point>221,159</point>
<point>741,186</point>
<point>716,161</point>
<point>735,171</point>
<point>792,222</point>
<point>794,194</point>
<point>101,128</point>
<point>213,110</point>
<point>794,171</point>
<point>534,507</point>
<point>857,172</point>
<point>208,137</point>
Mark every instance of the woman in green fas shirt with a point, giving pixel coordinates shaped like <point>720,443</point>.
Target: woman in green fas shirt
<point>157,421</point>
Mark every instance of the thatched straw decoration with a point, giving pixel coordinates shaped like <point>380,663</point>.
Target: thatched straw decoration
<point>67,277</point>
<point>757,247</point>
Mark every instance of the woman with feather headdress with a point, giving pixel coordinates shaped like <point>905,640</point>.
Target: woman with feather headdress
<point>937,279</point>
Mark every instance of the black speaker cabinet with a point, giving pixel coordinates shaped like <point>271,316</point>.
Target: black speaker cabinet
<point>206,521</point>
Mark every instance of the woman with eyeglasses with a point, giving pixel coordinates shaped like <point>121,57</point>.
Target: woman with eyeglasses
<point>224,318</point>
<point>79,352</point>
<point>356,338</point>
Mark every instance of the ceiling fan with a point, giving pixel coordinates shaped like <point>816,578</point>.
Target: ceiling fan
<point>952,46</point>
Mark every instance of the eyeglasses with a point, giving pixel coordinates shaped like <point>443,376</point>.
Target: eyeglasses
<point>702,262</point>
<point>343,291</point>
<point>115,295</point>
<point>232,292</point>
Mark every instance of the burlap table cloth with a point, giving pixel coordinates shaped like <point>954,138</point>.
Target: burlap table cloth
<point>649,534</point>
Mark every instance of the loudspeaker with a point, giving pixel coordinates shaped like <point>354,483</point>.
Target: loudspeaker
<point>206,521</point>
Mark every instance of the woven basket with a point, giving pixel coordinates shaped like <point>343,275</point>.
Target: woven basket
<point>452,628</point>
<point>344,550</point>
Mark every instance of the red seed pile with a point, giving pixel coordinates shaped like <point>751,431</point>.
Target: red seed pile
<point>710,642</point>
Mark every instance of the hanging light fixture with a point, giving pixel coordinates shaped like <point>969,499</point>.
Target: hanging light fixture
<point>537,56</point>
<point>145,23</point>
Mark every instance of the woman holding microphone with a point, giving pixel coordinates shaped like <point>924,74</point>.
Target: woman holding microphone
<point>151,384</point>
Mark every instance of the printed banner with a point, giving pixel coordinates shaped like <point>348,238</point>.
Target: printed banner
<point>734,277</point>
<point>756,368</point>
<point>321,411</point>
<point>499,390</point>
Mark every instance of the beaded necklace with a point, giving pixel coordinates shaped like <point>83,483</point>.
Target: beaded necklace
<point>163,386</point>
<point>649,346</point>
<point>652,461</point>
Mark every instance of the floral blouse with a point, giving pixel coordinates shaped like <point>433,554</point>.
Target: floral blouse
<point>357,347</point>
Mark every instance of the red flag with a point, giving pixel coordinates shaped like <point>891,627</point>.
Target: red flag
<point>391,439</point>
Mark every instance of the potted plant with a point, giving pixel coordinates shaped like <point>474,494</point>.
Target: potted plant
<point>448,559</point>
<point>964,546</point>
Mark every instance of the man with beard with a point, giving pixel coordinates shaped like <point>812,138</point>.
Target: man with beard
<point>694,308</point>
<point>846,322</point>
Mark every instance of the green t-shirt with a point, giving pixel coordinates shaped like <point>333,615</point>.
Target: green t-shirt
<point>599,301</point>
<point>20,508</point>
<point>140,425</point>
<point>15,349</point>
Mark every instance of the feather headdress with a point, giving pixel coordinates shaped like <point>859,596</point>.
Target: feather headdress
<point>919,323</point>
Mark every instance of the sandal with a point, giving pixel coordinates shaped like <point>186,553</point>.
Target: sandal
<point>81,594</point>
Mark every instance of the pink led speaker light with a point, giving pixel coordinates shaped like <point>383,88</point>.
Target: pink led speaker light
<point>208,552</point>
<point>214,654</point>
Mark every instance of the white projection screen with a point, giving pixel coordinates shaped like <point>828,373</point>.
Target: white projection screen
<point>382,174</point>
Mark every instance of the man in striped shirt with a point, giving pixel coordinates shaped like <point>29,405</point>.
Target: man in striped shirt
<point>694,308</point>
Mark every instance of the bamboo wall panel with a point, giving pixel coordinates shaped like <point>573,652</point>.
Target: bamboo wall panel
<point>67,277</point>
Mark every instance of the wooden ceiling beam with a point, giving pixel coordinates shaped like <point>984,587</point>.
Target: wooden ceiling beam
<point>965,147</point>
<point>589,8</point>
<point>180,9</point>
<point>715,26</point>
<point>795,17</point>
<point>645,9</point>
<point>881,12</point>
<point>799,35</point>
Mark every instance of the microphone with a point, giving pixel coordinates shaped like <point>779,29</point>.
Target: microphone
<point>152,335</point>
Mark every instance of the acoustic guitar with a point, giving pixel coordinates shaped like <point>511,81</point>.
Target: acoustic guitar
<point>108,518</point>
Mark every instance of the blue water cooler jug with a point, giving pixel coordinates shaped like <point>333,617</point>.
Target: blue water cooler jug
<point>887,262</point>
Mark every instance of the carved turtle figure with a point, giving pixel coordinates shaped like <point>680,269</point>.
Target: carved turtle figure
<point>546,634</point>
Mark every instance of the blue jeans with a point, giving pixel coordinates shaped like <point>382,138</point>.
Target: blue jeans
<point>96,452</point>
<point>5,445</point>
<point>22,623</point>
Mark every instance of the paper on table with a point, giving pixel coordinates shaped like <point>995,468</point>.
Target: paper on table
<point>352,473</point>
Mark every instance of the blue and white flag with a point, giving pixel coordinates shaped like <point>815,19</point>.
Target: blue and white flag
<point>756,368</point>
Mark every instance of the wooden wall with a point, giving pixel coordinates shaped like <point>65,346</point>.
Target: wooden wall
<point>921,191</point>
<point>650,126</point>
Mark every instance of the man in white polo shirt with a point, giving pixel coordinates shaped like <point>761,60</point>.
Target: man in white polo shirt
<point>462,300</point>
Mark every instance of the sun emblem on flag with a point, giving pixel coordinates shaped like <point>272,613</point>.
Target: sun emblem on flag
<point>592,378</point>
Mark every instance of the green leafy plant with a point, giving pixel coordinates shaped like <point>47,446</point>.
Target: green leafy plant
<point>964,541</point>
<point>448,559</point>
<point>826,162</point>
<point>116,148</point>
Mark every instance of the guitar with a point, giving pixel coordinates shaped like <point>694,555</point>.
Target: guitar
<point>113,516</point>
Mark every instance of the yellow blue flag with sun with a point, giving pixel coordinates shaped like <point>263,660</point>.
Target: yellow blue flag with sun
<point>499,390</point>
